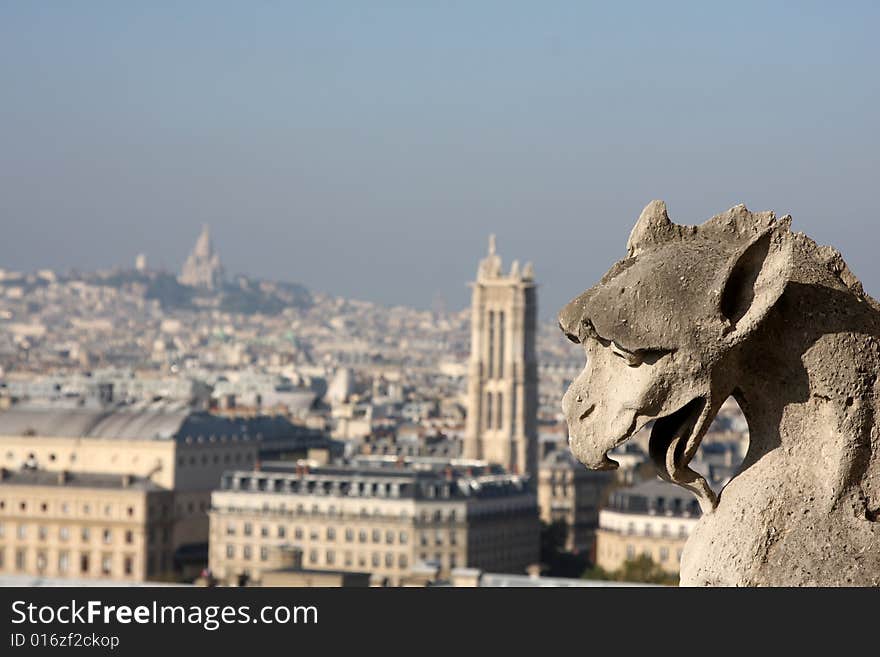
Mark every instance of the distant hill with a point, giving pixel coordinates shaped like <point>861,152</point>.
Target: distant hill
<point>244,295</point>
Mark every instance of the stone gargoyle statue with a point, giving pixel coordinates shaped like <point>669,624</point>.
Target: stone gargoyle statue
<point>741,305</point>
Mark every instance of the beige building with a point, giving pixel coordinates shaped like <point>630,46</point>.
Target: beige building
<point>385,518</point>
<point>570,493</point>
<point>180,452</point>
<point>84,525</point>
<point>653,518</point>
<point>502,371</point>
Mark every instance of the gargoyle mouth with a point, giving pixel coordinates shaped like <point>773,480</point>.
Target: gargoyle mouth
<point>674,441</point>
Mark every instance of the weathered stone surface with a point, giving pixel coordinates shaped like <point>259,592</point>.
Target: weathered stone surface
<point>741,306</point>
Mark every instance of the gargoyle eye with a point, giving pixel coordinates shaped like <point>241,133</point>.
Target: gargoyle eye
<point>588,330</point>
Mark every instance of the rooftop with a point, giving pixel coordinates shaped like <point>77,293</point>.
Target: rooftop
<point>133,423</point>
<point>34,477</point>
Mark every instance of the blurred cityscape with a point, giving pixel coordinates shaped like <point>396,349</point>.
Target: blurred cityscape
<point>197,427</point>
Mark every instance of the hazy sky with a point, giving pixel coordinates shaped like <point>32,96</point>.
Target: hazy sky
<point>368,148</point>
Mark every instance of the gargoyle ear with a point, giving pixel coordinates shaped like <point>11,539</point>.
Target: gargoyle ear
<point>652,228</point>
<point>753,282</point>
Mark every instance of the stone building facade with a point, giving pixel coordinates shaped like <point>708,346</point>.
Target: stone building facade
<point>182,452</point>
<point>371,518</point>
<point>84,526</point>
<point>571,494</point>
<point>502,370</point>
<point>653,518</point>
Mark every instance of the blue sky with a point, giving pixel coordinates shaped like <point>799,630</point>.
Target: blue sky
<point>368,148</point>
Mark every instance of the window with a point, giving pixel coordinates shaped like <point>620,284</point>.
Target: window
<point>42,532</point>
<point>281,531</point>
<point>452,560</point>
<point>488,410</point>
<point>127,565</point>
<point>41,561</point>
<point>298,533</point>
<point>248,529</point>
<point>377,536</point>
<point>63,561</point>
<point>20,559</point>
<point>630,552</point>
<point>2,530</point>
<point>313,556</point>
<point>330,557</point>
<point>362,536</point>
<point>22,532</point>
<point>331,534</point>
<point>264,554</point>
<point>230,551</point>
<point>129,536</point>
<point>389,560</point>
<point>264,531</point>
<point>404,537</point>
<point>376,559</point>
<point>402,561</point>
<point>389,537</point>
<point>246,553</point>
<point>63,533</point>
<point>106,564</point>
<point>348,559</point>
<point>349,535</point>
<point>230,529</point>
<point>85,534</point>
<point>664,554</point>
<point>84,562</point>
<point>107,536</point>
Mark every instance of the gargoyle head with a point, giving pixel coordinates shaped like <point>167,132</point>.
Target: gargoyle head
<point>661,330</point>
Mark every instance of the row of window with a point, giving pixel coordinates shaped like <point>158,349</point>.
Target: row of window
<point>349,559</point>
<point>330,533</point>
<point>426,517</point>
<point>42,533</point>
<point>662,554</point>
<point>648,530</point>
<point>215,459</point>
<point>66,508</point>
<point>22,562</point>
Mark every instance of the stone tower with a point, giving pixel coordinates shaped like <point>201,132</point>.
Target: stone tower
<point>502,372</point>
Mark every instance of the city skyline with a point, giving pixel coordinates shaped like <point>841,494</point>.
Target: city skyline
<point>368,151</point>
